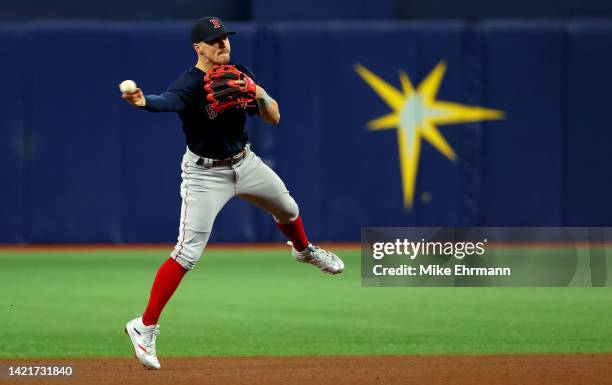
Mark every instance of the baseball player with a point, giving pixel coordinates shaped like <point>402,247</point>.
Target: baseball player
<point>213,99</point>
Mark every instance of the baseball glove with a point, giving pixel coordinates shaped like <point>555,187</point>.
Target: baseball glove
<point>227,87</point>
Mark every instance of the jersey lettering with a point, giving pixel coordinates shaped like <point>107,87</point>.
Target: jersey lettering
<point>211,112</point>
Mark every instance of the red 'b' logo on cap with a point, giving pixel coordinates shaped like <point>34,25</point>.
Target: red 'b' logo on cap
<point>215,23</point>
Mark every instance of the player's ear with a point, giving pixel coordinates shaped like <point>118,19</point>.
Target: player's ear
<point>196,47</point>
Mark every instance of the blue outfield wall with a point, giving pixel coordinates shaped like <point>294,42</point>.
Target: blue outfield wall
<point>80,165</point>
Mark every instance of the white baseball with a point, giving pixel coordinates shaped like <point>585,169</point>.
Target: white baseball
<point>127,86</point>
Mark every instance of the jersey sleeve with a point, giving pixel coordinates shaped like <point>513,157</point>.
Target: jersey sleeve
<point>176,99</point>
<point>166,102</point>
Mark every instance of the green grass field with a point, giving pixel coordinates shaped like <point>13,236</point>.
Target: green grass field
<point>262,302</point>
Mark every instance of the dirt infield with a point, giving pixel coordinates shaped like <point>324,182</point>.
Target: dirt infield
<point>591,369</point>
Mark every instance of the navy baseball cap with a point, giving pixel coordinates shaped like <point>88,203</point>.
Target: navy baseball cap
<point>207,29</point>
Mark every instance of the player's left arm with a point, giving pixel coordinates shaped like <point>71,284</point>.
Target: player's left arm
<point>267,106</point>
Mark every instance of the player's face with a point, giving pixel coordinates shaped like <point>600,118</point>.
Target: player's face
<point>217,51</point>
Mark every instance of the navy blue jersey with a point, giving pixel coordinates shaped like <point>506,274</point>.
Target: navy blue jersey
<point>210,135</point>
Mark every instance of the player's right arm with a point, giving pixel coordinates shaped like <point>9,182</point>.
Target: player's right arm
<point>177,97</point>
<point>166,102</point>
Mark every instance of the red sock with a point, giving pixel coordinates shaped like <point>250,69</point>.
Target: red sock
<point>166,281</point>
<point>295,232</point>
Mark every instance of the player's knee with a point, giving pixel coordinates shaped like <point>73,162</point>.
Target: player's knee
<point>189,249</point>
<point>186,262</point>
<point>186,259</point>
<point>289,212</point>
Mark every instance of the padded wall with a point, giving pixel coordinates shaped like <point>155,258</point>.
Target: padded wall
<point>80,165</point>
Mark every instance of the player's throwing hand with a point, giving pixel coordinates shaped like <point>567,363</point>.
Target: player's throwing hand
<point>134,96</point>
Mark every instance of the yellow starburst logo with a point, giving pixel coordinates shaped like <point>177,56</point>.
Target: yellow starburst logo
<point>415,116</point>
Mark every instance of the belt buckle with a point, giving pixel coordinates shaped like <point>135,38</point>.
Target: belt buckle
<point>205,162</point>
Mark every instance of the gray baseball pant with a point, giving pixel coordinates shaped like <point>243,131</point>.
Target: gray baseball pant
<point>206,190</point>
